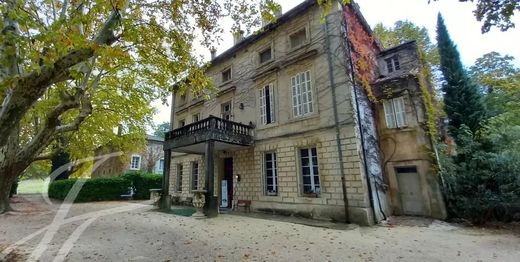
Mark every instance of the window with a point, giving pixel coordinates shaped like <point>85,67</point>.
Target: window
<point>182,122</point>
<point>179,177</point>
<point>310,170</point>
<point>266,55</point>
<point>267,115</point>
<point>395,113</point>
<point>298,39</point>
<point>135,163</point>
<point>195,176</point>
<point>392,64</point>
<point>225,110</point>
<point>160,167</point>
<point>302,93</point>
<point>271,175</point>
<point>195,118</point>
<point>226,75</point>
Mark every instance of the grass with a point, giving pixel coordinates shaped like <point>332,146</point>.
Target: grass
<point>32,186</point>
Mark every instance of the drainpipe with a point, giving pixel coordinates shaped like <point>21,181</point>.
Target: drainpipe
<point>336,118</point>
<point>360,126</point>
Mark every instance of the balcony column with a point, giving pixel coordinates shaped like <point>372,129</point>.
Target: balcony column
<point>165,196</point>
<point>211,207</point>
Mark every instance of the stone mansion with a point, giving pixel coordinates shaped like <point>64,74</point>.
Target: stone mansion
<point>312,118</point>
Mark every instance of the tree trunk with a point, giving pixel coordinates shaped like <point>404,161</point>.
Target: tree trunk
<point>6,181</point>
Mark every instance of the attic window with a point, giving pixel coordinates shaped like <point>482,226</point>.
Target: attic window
<point>299,38</point>
<point>265,55</point>
<point>392,64</point>
<point>226,75</point>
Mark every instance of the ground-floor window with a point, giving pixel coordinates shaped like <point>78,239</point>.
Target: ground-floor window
<point>310,170</point>
<point>179,177</point>
<point>271,175</point>
<point>195,176</point>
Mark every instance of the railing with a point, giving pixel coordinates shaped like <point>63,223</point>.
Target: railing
<point>211,123</point>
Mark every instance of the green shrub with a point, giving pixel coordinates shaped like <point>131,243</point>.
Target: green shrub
<point>481,183</point>
<point>143,182</point>
<point>96,189</point>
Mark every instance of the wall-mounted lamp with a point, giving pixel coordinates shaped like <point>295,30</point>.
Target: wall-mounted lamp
<point>241,106</point>
<point>237,177</point>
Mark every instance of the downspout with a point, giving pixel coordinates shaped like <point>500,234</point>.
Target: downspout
<point>358,114</point>
<point>336,118</point>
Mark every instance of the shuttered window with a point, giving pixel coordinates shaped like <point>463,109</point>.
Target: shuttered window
<point>395,112</point>
<point>194,175</point>
<point>267,114</point>
<point>302,94</point>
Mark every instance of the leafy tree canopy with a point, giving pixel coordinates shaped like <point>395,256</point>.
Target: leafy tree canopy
<point>497,13</point>
<point>161,129</point>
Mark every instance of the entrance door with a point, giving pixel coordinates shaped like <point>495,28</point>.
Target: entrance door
<point>226,110</point>
<point>227,191</point>
<point>410,191</point>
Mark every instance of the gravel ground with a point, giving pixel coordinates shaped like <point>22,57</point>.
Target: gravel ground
<point>95,232</point>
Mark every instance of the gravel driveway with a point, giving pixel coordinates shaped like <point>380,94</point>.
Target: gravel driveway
<point>134,231</point>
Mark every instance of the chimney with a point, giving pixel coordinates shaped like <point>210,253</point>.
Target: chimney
<point>213,52</point>
<point>238,36</point>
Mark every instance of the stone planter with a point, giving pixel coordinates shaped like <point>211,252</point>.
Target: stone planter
<point>198,202</point>
<point>155,196</point>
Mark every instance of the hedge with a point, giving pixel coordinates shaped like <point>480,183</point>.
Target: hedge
<point>111,188</point>
<point>96,189</point>
<point>143,182</point>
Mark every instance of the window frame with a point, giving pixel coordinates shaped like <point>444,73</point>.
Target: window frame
<point>314,175</point>
<point>161,166</point>
<point>197,115</point>
<point>392,64</point>
<point>182,122</point>
<point>138,162</point>
<point>270,48</point>
<point>179,177</point>
<point>305,29</point>
<point>273,175</point>
<point>263,110</point>
<point>302,102</point>
<point>195,183</point>
<point>230,75</point>
<point>395,119</point>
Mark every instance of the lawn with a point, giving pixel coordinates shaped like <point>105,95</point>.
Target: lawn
<point>32,186</point>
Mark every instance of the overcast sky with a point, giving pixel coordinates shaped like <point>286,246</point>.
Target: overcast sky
<point>459,18</point>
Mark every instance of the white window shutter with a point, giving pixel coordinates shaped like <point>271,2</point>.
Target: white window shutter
<point>295,93</point>
<point>262,106</point>
<point>271,103</point>
<point>400,112</point>
<point>389,113</point>
<point>309,91</point>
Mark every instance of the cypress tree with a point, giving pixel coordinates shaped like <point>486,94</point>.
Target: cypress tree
<point>462,99</point>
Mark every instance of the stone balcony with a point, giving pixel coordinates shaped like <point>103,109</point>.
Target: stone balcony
<point>193,137</point>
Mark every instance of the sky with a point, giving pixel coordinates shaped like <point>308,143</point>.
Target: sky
<point>464,29</point>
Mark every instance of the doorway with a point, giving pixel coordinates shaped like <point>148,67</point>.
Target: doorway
<point>410,192</point>
<point>227,184</point>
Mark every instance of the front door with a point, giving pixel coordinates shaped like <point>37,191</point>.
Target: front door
<point>226,110</point>
<point>410,191</point>
<point>227,184</point>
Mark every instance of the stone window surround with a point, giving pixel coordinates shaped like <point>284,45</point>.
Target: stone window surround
<point>297,29</point>
<point>192,176</point>
<point>274,175</point>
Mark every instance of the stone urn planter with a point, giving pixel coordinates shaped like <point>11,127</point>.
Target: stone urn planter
<point>198,202</point>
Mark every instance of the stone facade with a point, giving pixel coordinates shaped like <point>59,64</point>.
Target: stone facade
<point>151,158</point>
<point>332,124</point>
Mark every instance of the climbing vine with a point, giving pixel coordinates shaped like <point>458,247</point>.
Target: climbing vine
<point>364,49</point>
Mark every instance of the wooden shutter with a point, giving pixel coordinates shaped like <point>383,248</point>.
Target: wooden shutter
<point>262,106</point>
<point>271,103</point>
<point>389,113</point>
<point>400,112</point>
